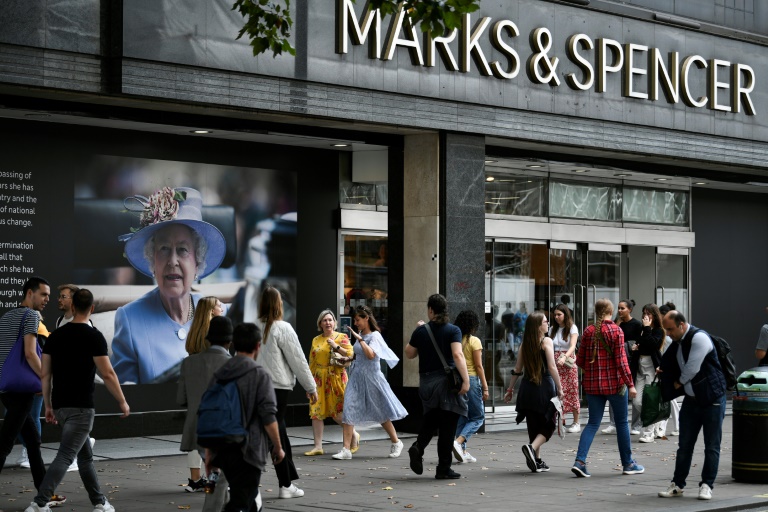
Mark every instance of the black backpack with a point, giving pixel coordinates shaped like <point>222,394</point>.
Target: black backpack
<point>725,358</point>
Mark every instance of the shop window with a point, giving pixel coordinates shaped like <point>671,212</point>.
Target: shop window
<point>507,194</point>
<point>649,206</point>
<point>365,276</point>
<point>584,201</point>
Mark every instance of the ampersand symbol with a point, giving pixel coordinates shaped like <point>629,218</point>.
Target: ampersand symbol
<point>541,40</point>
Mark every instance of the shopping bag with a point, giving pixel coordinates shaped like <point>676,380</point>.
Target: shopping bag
<point>654,408</point>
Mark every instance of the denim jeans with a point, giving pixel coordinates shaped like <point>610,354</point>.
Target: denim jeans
<point>76,425</point>
<point>18,420</point>
<point>596,404</point>
<point>694,417</point>
<point>37,406</point>
<point>476,415</point>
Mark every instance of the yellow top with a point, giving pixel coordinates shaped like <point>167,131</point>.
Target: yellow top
<point>469,347</point>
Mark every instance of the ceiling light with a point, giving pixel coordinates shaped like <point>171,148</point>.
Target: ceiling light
<point>200,132</point>
<point>757,183</point>
<point>340,145</point>
<point>700,183</point>
<point>580,170</point>
<point>534,166</point>
<point>661,179</point>
<point>489,178</point>
<point>490,161</point>
<point>622,175</point>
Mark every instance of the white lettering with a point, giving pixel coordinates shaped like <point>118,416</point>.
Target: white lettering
<point>575,42</point>
<point>603,68</point>
<point>714,84</point>
<point>630,71</point>
<point>514,59</point>
<point>740,91</point>
<point>688,98</point>
<point>671,83</point>
<point>346,15</point>
<point>414,49</point>
<point>441,44</point>
<point>470,45</point>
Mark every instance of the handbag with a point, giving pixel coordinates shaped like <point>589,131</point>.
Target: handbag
<point>339,360</point>
<point>654,408</point>
<point>455,381</point>
<point>568,362</point>
<point>18,376</point>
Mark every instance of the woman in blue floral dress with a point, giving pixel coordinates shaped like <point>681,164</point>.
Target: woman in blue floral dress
<point>368,398</point>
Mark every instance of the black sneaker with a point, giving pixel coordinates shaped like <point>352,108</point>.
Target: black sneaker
<point>417,460</point>
<point>542,466</point>
<point>530,458</point>
<point>447,475</point>
<point>193,486</point>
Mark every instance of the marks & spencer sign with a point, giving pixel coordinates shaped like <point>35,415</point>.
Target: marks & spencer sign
<point>585,64</point>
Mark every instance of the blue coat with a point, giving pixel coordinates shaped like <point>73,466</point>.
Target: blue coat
<point>146,341</point>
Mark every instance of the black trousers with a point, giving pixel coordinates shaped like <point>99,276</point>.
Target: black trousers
<point>286,470</point>
<point>242,477</point>
<point>18,420</point>
<point>444,422</point>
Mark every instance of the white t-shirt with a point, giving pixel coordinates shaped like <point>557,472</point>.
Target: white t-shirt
<point>559,343</point>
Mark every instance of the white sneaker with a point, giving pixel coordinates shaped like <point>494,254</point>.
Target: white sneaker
<point>23,459</point>
<point>573,428</point>
<point>106,507</point>
<point>344,454</point>
<point>293,491</point>
<point>34,507</point>
<point>705,492</point>
<point>610,429</point>
<point>396,449</point>
<point>73,466</point>
<point>675,433</point>
<point>259,505</point>
<point>469,458</point>
<point>673,491</point>
<point>634,432</point>
<point>458,451</point>
<point>646,438</point>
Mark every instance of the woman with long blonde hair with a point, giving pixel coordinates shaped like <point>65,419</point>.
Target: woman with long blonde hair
<point>206,308</point>
<point>536,361</point>
<point>607,378</point>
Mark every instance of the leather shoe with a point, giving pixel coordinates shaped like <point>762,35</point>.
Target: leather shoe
<point>447,475</point>
<point>417,462</point>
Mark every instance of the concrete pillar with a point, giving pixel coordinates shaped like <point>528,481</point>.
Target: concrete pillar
<point>421,235</point>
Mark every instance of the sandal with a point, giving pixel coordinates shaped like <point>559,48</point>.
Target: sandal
<point>314,451</point>
<point>356,446</point>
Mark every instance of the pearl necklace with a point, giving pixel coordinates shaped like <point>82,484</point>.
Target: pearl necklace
<point>191,309</point>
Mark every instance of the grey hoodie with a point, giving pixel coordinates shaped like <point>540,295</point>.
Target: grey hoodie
<point>260,406</point>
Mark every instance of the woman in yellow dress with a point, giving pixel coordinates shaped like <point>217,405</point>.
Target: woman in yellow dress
<point>331,381</point>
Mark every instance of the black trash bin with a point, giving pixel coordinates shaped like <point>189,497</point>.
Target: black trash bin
<point>750,427</point>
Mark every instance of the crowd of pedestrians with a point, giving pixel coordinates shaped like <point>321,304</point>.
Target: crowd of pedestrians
<point>343,381</point>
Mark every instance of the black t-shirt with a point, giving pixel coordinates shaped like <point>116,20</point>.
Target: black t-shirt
<point>72,348</point>
<point>445,334</point>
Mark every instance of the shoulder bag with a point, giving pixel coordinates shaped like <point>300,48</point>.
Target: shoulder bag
<point>18,376</point>
<point>339,360</point>
<point>451,372</point>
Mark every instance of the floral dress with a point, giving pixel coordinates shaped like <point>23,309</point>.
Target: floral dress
<point>331,381</point>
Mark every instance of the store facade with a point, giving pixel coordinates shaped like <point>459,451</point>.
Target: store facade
<point>546,152</point>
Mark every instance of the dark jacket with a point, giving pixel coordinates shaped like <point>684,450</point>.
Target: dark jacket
<point>649,344</point>
<point>709,384</point>
<point>257,396</point>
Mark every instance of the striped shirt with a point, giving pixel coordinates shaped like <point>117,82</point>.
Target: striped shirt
<point>606,374</point>
<point>9,330</point>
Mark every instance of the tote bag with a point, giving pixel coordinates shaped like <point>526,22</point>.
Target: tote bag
<point>18,376</point>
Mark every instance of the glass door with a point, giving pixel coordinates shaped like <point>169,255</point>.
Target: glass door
<point>566,280</point>
<point>672,277</point>
<point>516,283</point>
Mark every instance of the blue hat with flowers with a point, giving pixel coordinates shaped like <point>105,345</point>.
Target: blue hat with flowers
<point>167,206</point>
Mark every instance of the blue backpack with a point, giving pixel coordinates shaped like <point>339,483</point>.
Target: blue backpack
<point>220,416</point>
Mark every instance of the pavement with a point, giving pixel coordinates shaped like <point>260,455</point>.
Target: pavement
<point>148,474</point>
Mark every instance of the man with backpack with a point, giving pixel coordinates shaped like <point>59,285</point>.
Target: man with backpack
<point>243,462</point>
<point>698,376</point>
